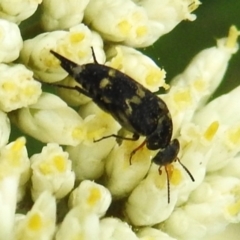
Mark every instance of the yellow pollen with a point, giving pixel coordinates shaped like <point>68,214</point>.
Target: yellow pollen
<point>199,85</point>
<point>95,134</point>
<point>116,62</point>
<point>35,222</point>
<point>76,37</point>
<point>124,27</point>
<point>18,144</point>
<point>141,31</point>
<point>60,163</point>
<point>175,175</point>
<point>45,168</point>
<point>9,86</point>
<point>232,37</point>
<point>77,132</point>
<point>234,208</point>
<point>183,96</point>
<point>29,91</point>
<point>94,196</point>
<point>211,130</point>
<point>234,135</point>
<point>15,152</point>
<point>154,76</point>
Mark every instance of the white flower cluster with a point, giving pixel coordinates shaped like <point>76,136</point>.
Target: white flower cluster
<point>89,189</point>
<point>10,41</point>
<point>17,11</point>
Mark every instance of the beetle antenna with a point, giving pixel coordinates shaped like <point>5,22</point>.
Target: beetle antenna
<point>185,168</point>
<point>168,181</point>
<point>168,184</point>
<point>94,56</point>
<point>66,64</point>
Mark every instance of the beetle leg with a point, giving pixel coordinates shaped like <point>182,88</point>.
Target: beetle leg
<point>135,150</point>
<point>135,137</point>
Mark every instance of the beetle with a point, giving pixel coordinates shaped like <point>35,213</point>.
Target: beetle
<point>135,107</point>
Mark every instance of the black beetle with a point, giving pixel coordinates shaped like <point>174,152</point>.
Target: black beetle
<point>136,108</point>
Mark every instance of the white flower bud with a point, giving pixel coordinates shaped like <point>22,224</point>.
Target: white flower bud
<point>128,59</point>
<point>191,89</point>
<point>232,168</point>
<point>214,203</point>
<point>122,176</point>
<point>91,198</point>
<point>62,14</point>
<point>88,157</point>
<point>74,44</point>
<point>232,231</point>
<point>14,158</point>
<point>115,229</point>
<point>122,21</point>
<point>50,120</point>
<point>17,11</point>
<point>17,87</point>
<point>52,172</point>
<point>169,13</point>
<point>149,233</point>
<point>14,163</point>
<point>10,41</point>
<point>39,222</point>
<point>193,146</point>
<point>221,127</point>
<point>4,129</point>
<point>79,224</point>
<point>148,202</point>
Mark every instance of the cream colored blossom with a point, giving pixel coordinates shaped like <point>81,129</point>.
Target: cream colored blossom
<point>192,88</point>
<point>226,135</point>
<point>208,132</point>
<point>51,171</point>
<point>50,120</point>
<point>14,171</point>
<point>149,233</point>
<point>200,141</point>
<point>89,157</point>
<point>10,41</point>
<point>214,203</point>
<point>68,14</point>
<point>17,11</point>
<point>121,176</point>
<point>91,197</point>
<point>115,229</point>
<point>39,222</point>
<point>17,87</point>
<point>74,44</point>
<point>148,202</point>
<point>169,13</point>
<point>140,24</point>
<point>78,224</point>
<point>122,21</point>
<point>4,129</point>
<point>128,59</point>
